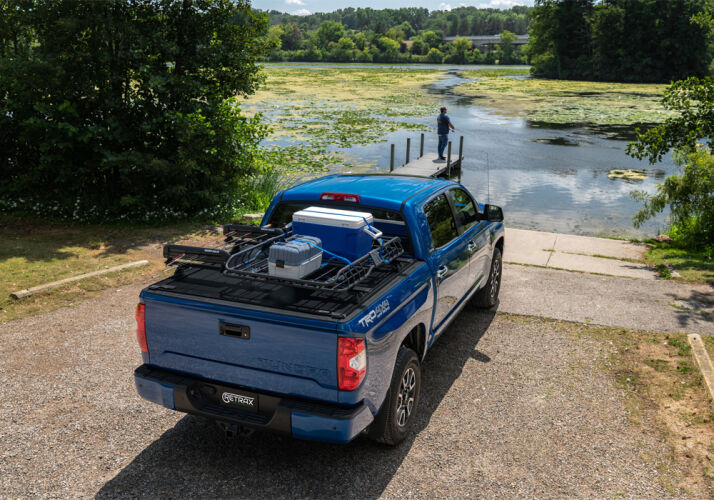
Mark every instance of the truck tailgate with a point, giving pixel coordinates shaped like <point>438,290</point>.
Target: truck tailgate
<point>256,350</point>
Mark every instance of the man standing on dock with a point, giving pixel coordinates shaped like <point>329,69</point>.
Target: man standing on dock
<point>443,125</point>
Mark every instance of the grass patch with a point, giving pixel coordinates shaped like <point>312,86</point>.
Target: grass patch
<point>694,266</point>
<point>33,253</point>
<point>568,102</point>
<point>662,384</point>
<point>663,393</point>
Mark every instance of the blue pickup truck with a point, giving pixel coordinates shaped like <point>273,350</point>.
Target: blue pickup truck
<point>320,360</point>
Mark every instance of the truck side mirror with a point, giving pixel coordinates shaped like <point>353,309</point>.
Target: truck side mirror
<point>492,213</point>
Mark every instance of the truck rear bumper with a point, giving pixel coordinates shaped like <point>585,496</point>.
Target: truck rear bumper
<point>301,419</point>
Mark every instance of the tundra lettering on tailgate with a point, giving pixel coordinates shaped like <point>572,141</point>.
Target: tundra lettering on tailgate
<point>376,313</point>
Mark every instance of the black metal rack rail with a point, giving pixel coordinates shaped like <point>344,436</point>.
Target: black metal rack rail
<point>244,251</point>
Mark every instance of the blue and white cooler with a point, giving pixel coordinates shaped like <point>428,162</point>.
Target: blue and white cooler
<point>343,232</point>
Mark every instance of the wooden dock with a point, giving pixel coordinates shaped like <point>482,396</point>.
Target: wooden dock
<point>429,165</point>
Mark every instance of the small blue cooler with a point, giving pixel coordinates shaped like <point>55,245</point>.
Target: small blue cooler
<point>343,232</point>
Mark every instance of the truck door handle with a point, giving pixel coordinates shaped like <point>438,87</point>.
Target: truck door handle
<point>441,272</point>
<point>471,246</point>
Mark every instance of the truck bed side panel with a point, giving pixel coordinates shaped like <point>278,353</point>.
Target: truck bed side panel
<point>385,323</point>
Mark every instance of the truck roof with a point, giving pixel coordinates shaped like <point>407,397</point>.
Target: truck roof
<point>379,190</point>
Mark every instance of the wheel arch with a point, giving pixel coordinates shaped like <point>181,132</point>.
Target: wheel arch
<point>499,244</point>
<point>416,340</point>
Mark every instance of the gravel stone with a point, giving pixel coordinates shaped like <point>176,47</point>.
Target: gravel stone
<point>509,409</point>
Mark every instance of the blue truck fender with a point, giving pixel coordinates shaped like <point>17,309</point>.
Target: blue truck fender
<point>383,339</point>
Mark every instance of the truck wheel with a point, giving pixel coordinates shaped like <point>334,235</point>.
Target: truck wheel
<point>487,297</point>
<point>394,421</point>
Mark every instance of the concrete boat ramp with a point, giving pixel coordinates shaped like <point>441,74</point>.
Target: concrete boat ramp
<point>577,253</point>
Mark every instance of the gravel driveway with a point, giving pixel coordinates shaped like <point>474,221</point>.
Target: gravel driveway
<point>509,408</point>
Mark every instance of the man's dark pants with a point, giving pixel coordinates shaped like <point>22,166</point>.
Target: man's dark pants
<point>443,140</point>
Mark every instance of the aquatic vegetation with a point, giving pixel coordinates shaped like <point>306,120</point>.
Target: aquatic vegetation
<point>339,107</point>
<point>567,102</point>
<point>628,174</point>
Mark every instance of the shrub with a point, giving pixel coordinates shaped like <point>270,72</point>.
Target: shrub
<point>690,197</point>
<point>124,109</point>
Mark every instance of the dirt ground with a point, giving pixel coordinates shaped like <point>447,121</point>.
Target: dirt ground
<point>511,406</point>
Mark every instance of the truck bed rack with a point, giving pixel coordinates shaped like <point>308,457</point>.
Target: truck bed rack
<point>244,254</point>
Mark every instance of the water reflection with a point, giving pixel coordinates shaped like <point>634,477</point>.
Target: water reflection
<point>551,177</point>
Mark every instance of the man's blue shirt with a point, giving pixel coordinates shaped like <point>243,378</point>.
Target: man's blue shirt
<point>443,124</point>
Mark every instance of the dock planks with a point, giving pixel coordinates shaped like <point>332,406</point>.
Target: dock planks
<point>428,166</point>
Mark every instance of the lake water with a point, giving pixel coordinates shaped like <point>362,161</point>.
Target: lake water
<point>546,177</point>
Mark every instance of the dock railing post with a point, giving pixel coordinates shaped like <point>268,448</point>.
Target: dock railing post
<point>448,161</point>
<point>409,145</point>
<point>391,159</point>
<point>421,145</point>
<point>461,155</point>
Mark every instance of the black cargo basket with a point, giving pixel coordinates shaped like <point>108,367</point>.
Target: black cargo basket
<point>334,275</point>
<point>244,253</point>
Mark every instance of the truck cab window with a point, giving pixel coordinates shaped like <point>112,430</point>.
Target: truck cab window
<point>464,209</point>
<point>441,221</point>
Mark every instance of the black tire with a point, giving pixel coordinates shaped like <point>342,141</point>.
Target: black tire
<point>487,297</point>
<point>394,421</point>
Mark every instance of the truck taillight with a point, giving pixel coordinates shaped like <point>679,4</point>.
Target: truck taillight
<point>141,327</point>
<point>351,363</point>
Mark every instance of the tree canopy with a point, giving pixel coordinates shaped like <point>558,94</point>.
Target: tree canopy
<point>619,40</point>
<point>123,109</point>
<point>415,31</point>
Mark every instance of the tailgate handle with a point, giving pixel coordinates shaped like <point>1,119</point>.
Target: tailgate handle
<point>239,331</point>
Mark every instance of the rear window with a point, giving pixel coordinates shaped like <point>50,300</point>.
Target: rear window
<point>283,213</point>
<point>390,222</point>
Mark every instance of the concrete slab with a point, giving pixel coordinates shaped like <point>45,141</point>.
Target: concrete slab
<point>614,267</point>
<point>588,245</point>
<point>576,253</point>
<point>528,247</point>
<point>604,300</point>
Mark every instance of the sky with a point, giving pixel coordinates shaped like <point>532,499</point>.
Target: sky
<point>303,7</point>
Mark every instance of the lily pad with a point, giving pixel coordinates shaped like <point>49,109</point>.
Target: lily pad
<point>628,174</point>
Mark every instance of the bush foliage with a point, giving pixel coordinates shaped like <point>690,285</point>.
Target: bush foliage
<point>690,134</point>
<point>125,109</point>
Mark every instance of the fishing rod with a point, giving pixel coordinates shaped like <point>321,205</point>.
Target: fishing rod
<point>488,180</point>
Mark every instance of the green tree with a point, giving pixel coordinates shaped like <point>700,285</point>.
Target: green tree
<point>693,99</point>
<point>432,38</point>
<point>690,196</point>
<point>395,34</point>
<point>329,31</point>
<point>345,43</point>
<point>560,38</point>
<point>459,51</point>
<point>407,29</point>
<point>419,47</point>
<point>508,52</point>
<point>435,56</point>
<point>124,109</point>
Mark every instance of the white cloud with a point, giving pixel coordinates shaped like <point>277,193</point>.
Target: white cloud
<point>444,6</point>
<point>302,12</point>
<point>294,2</point>
<point>504,4</point>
